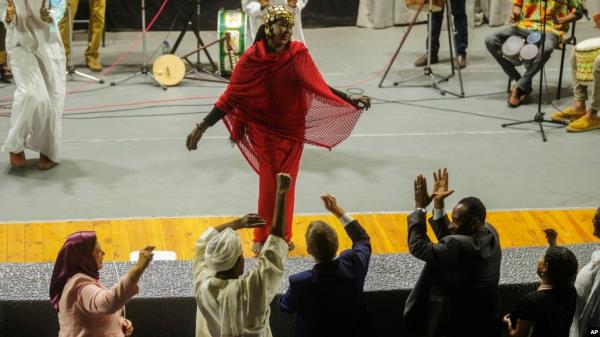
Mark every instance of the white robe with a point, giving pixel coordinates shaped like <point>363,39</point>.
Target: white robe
<point>37,59</point>
<point>255,18</point>
<point>587,285</point>
<point>237,307</point>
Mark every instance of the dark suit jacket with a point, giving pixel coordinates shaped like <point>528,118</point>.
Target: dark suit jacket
<point>328,299</point>
<point>465,268</point>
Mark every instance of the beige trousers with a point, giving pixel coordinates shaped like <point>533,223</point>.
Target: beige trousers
<point>580,89</point>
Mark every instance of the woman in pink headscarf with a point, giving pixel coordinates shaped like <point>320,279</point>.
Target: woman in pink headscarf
<point>85,307</point>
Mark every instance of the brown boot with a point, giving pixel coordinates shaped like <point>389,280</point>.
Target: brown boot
<point>45,163</point>
<point>93,64</point>
<point>17,160</point>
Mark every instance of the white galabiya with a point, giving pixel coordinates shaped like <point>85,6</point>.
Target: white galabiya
<point>37,59</point>
<point>255,13</point>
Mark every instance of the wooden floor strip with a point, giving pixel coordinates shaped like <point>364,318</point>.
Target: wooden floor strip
<point>40,242</point>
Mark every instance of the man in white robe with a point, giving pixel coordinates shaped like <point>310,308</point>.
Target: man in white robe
<point>230,304</point>
<point>256,9</point>
<point>37,59</point>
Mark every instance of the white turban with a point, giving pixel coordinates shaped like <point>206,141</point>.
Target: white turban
<point>223,250</point>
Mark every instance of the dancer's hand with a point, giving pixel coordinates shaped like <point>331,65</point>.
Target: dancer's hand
<point>45,13</point>
<point>360,101</point>
<point>10,12</point>
<point>332,205</point>
<point>194,137</point>
<point>292,3</point>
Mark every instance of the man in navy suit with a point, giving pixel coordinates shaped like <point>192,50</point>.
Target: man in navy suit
<point>328,299</point>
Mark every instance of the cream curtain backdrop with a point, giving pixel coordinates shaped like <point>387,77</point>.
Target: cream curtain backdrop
<point>386,13</point>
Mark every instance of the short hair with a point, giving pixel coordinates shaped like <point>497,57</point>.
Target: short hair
<point>475,209</point>
<point>562,266</point>
<point>322,241</point>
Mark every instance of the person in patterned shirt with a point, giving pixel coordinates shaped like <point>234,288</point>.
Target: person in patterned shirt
<point>528,16</point>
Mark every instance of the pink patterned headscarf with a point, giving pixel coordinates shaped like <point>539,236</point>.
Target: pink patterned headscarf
<point>75,256</point>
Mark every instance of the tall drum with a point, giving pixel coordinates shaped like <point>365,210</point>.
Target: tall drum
<point>234,23</point>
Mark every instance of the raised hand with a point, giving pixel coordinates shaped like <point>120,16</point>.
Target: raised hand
<point>551,236</point>
<point>360,101</point>
<point>332,206</point>
<point>440,188</point>
<point>194,137</point>
<point>10,12</point>
<point>145,257</point>
<point>284,182</point>
<point>251,220</point>
<point>45,13</point>
<point>422,197</point>
<point>263,4</point>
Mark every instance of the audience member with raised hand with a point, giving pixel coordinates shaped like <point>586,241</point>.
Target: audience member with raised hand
<point>457,292</point>
<point>85,308</point>
<point>587,285</point>
<point>328,299</point>
<point>229,302</point>
<point>548,311</point>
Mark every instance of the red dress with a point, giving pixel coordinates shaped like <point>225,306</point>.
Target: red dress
<point>274,103</point>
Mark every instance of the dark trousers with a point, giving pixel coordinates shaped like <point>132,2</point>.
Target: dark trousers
<point>494,43</point>
<point>460,22</point>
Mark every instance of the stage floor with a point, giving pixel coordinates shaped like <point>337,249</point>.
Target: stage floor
<point>125,156</point>
<point>40,241</point>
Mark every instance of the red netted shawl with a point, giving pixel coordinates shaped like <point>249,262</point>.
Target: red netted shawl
<point>285,95</point>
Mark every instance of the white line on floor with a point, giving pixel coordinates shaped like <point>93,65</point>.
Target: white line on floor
<point>358,135</point>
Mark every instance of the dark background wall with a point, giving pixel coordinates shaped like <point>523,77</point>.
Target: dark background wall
<point>126,15</point>
<point>175,316</point>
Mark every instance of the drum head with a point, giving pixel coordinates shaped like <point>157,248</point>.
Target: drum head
<point>168,69</point>
<point>534,38</point>
<point>528,52</point>
<point>512,46</point>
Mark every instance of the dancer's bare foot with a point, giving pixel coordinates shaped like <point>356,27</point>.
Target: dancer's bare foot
<point>17,160</point>
<point>45,163</point>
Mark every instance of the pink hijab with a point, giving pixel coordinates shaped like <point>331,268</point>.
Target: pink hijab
<point>75,256</point>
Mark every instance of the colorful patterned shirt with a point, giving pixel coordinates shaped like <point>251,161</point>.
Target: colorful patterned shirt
<point>533,14</point>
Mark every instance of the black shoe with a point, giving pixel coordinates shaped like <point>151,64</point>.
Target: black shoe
<point>422,60</point>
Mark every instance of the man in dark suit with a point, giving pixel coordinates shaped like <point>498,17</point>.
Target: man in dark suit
<point>328,299</point>
<point>457,292</point>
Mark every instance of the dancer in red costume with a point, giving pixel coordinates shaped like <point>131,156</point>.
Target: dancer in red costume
<point>276,102</point>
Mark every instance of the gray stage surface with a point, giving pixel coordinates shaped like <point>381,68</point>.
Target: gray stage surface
<point>127,158</point>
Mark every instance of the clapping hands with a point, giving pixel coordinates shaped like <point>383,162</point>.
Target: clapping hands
<point>440,190</point>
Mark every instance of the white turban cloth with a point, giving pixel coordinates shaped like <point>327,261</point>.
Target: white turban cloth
<point>223,250</point>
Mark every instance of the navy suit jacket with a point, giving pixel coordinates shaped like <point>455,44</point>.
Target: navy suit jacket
<point>328,300</point>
